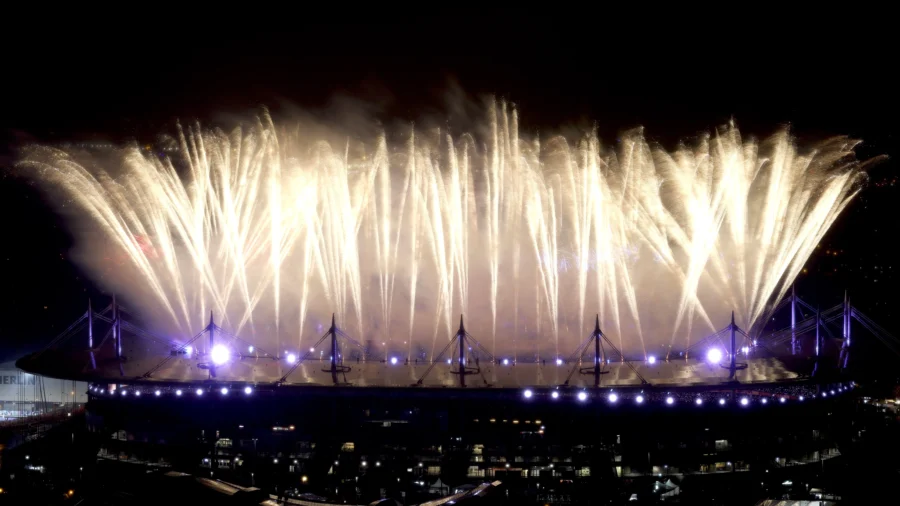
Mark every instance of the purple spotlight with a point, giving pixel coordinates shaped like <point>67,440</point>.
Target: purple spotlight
<point>291,358</point>
<point>764,400</point>
<point>157,393</point>
<point>670,400</point>
<point>639,399</point>
<point>582,396</point>
<point>220,354</point>
<point>528,393</point>
<point>782,400</point>
<point>745,401</point>
<point>178,393</point>
<point>505,361</point>
<point>651,360</point>
<point>613,398</point>
<point>248,390</point>
<point>714,355</point>
<point>554,394</point>
<point>199,392</point>
<point>800,398</point>
<point>393,360</point>
<point>721,402</point>
<point>224,391</point>
<point>698,401</point>
<point>559,361</point>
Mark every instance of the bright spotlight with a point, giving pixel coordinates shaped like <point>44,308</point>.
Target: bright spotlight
<point>124,392</point>
<point>651,360</point>
<point>832,392</point>
<point>528,393</point>
<point>582,396</point>
<point>670,400</point>
<point>505,361</point>
<point>782,400</point>
<point>157,393</point>
<point>824,394</point>
<point>248,390</point>
<point>393,360</point>
<point>745,350</point>
<point>178,392</point>
<point>554,394</point>
<point>764,400</point>
<point>721,402</point>
<point>250,349</point>
<point>559,361</point>
<point>291,358</point>
<point>199,392</point>
<point>800,398</point>
<point>639,399</point>
<point>613,397</point>
<point>137,393</point>
<point>745,401</point>
<point>224,391</point>
<point>714,355</point>
<point>698,401</point>
<point>220,354</point>
<point>189,349</point>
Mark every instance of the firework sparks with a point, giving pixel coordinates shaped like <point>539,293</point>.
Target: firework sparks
<point>266,226</point>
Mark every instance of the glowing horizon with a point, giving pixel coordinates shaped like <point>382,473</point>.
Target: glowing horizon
<point>274,228</point>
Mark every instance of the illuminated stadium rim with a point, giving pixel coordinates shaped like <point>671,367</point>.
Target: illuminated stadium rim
<point>614,396</point>
<point>223,355</point>
<point>605,395</point>
<point>697,382</point>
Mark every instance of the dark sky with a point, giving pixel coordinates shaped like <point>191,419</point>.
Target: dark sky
<point>822,73</point>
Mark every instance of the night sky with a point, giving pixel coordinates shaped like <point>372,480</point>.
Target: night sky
<point>822,76</point>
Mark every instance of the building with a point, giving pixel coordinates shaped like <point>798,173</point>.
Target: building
<point>24,394</point>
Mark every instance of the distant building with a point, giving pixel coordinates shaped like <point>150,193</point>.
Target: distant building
<point>23,394</point>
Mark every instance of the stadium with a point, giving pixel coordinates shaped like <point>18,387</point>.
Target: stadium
<point>336,421</point>
<point>530,313</point>
<point>127,353</point>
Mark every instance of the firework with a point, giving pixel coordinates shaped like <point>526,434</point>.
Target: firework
<point>274,229</point>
